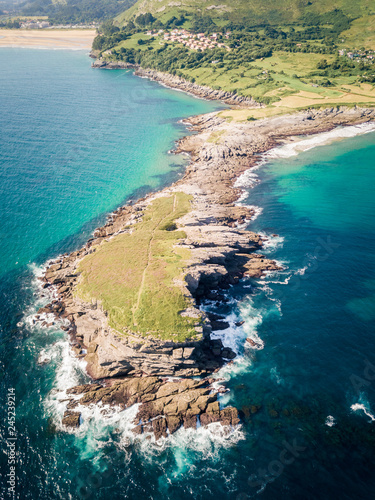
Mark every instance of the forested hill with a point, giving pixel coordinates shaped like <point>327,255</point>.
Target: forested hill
<point>74,11</point>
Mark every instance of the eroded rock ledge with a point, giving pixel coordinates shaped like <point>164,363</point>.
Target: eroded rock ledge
<point>165,405</point>
<point>222,252</point>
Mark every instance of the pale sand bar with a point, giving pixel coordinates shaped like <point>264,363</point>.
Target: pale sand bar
<point>48,38</point>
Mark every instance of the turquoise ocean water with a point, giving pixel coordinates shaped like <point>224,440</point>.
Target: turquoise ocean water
<point>74,144</point>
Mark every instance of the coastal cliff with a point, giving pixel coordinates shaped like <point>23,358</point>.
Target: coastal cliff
<point>214,251</point>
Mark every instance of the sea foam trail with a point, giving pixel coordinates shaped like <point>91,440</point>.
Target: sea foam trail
<point>293,148</point>
<point>365,409</point>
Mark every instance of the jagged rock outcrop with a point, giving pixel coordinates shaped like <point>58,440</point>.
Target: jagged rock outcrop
<point>71,419</point>
<point>103,64</point>
<point>165,406</point>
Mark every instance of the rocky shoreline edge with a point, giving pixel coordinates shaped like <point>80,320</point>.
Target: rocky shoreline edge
<point>177,83</point>
<point>162,377</point>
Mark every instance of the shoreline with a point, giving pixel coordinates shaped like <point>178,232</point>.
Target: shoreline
<point>301,145</point>
<point>223,253</point>
<point>179,84</point>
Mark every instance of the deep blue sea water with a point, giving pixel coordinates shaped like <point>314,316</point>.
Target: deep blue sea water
<point>75,143</point>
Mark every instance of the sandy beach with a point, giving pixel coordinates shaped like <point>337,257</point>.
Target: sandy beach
<point>47,39</point>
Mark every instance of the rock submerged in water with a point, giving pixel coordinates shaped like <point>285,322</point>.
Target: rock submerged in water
<point>71,419</point>
<point>165,406</point>
<point>252,342</point>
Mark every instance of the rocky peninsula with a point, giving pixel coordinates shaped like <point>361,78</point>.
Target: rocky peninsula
<point>195,246</point>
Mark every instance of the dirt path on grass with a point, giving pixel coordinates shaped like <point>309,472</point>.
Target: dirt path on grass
<point>149,254</point>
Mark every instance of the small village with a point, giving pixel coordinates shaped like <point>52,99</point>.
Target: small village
<point>34,24</point>
<point>43,24</point>
<point>199,41</point>
<point>359,55</point>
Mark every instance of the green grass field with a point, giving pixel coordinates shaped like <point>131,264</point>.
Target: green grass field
<point>132,43</point>
<point>133,275</point>
<point>275,49</point>
<point>361,33</point>
<point>276,77</point>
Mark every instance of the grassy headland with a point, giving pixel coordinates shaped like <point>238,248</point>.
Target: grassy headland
<point>136,276</point>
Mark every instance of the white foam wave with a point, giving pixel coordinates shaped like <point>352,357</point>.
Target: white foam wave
<point>205,440</point>
<point>301,271</point>
<point>300,145</point>
<point>43,296</point>
<point>43,357</point>
<point>257,211</point>
<point>236,334</point>
<point>253,318</point>
<point>365,409</point>
<point>239,366</point>
<point>99,422</point>
<point>233,336</point>
<point>245,182</point>
<point>288,273</point>
<point>248,179</point>
<point>271,242</point>
<point>276,303</point>
<point>70,371</point>
<point>37,271</point>
<point>275,282</point>
<point>330,421</point>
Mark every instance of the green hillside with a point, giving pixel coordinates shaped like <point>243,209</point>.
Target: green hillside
<point>255,11</point>
<point>74,11</point>
<point>287,54</point>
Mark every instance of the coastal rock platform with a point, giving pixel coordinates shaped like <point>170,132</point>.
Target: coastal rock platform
<point>164,406</point>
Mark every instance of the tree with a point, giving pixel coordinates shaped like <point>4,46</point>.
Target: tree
<point>145,19</point>
<point>322,64</point>
<point>108,28</point>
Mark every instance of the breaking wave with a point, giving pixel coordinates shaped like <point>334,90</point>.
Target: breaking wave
<point>300,145</point>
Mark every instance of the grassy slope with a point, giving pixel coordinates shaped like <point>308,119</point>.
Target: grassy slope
<point>281,82</point>
<point>132,43</point>
<point>291,92</point>
<point>273,11</point>
<point>253,82</point>
<point>361,33</point>
<point>133,275</point>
